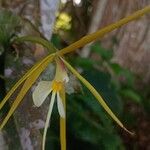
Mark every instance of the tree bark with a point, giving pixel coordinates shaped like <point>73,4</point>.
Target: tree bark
<point>131,48</point>
<point>28,119</point>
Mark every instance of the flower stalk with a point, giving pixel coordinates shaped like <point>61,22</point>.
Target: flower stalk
<point>63,122</point>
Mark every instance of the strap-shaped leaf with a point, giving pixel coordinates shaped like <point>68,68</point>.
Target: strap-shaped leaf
<point>100,33</point>
<point>96,95</point>
<point>27,85</point>
<point>13,89</point>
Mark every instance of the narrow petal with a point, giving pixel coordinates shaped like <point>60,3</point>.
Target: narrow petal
<point>96,94</point>
<point>48,119</point>
<point>60,106</point>
<point>27,85</point>
<point>40,93</point>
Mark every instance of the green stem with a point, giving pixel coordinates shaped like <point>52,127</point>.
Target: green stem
<point>38,40</point>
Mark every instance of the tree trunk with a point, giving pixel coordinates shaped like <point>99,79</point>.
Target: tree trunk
<point>28,119</point>
<point>131,48</point>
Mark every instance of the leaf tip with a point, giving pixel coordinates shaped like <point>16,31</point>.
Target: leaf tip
<point>129,132</point>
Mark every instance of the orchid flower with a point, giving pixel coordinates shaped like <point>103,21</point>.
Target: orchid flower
<point>56,87</point>
<point>44,88</point>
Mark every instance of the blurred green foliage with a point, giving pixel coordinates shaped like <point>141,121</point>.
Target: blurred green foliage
<point>9,24</point>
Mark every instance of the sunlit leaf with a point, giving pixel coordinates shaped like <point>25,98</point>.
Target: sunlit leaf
<point>27,85</point>
<point>96,94</point>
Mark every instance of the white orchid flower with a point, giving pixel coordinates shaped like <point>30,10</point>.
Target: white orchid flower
<point>44,88</point>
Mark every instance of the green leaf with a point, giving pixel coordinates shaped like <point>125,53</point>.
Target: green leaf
<point>83,62</point>
<point>56,40</point>
<point>129,93</point>
<point>38,40</point>
<point>104,53</point>
<point>9,23</point>
<point>127,76</point>
<point>116,68</point>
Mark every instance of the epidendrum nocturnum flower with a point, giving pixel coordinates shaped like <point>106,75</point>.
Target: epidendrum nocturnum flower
<point>44,88</point>
<point>55,87</point>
